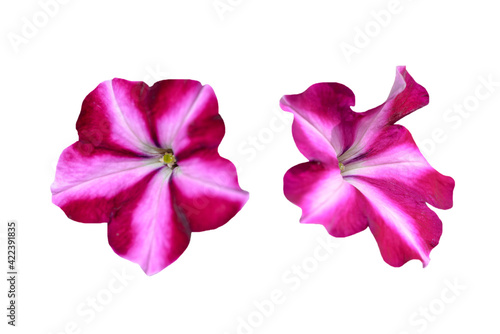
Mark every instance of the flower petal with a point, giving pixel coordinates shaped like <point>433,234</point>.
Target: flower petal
<point>148,229</point>
<point>185,116</point>
<point>90,188</point>
<point>361,130</point>
<point>406,96</point>
<point>206,190</point>
<point>114,116</point>
<point>325,198</point>
<point>405,228</point>
<point>317,111</point>
<point>394,158</point>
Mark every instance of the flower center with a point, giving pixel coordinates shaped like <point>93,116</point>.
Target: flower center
<point>341,166</point>
<point>169,159</point>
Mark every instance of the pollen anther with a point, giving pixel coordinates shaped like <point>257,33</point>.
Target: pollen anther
<point>169,159</point>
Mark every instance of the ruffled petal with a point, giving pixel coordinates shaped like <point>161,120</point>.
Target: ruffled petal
<point>206,190</point>
<point>361,130</point>
<point>405,228</point>
<point>148,229</point>
<point>325,198</point>
<point>90,188</point>
<point>406,96</point>
<point>317,111</point>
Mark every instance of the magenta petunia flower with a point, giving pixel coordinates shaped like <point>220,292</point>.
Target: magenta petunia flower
<point>365,171</point>
<point>146,162</point>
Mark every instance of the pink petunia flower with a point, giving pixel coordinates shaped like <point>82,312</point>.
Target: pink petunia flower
<point>365,171</point>
<point>146,162</point>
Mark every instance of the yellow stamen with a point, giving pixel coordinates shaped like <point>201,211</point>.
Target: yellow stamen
<point>168,158</point>
<point>341,166</point>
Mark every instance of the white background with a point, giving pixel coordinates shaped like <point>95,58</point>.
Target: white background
<point>251,55</point>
